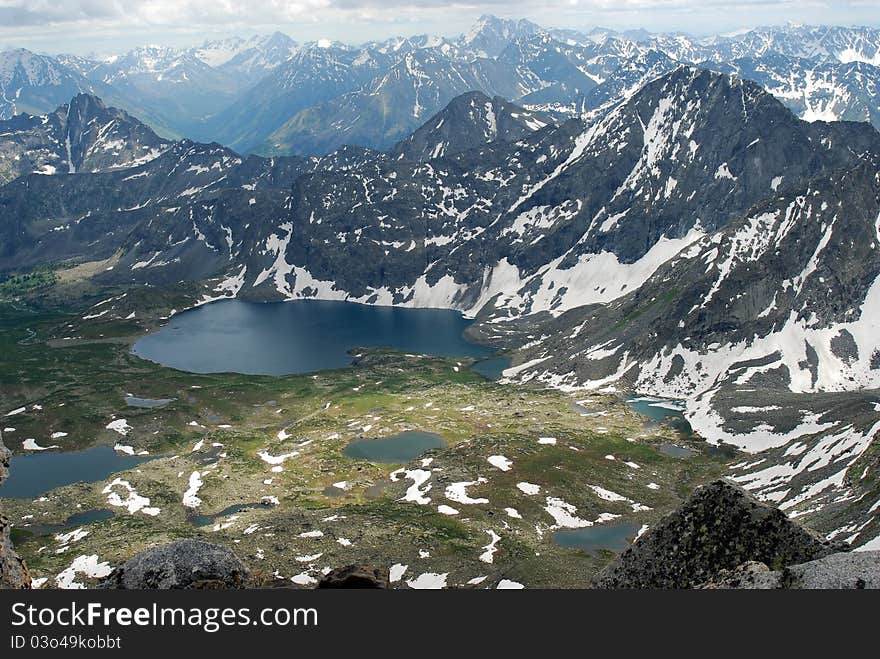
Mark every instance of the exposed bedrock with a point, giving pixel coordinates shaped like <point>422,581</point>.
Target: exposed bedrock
<point>185,564</point>
<point>13,571</point>
<point>720,527</point>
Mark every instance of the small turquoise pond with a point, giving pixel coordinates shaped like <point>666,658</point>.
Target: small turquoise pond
<point>592,539</point>
<point>662,410</point>
<point>402,447</point>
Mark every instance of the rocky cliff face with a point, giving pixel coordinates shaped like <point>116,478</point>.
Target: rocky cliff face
<point>555,219</point>
<point>469,121</point>
<point>13,571</point>
<point>80,136</point>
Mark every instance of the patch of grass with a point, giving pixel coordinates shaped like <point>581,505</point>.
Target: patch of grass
<point>15,285</point>
<point>422,517</point>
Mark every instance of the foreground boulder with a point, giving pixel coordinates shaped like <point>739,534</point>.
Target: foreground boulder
<point>13,571</point>
<point>849,570</point>
<point>720,527</point>
<point>185,564</point>
<point>355,576</point>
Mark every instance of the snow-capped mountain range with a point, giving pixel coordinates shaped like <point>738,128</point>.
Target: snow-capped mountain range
<point>270,95</point>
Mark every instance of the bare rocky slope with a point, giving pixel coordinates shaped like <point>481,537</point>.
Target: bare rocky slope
<point>721,537</point>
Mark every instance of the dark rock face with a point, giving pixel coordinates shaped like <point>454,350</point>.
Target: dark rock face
<point>355,576</point>
<point>185,564</point>
<point>570,192</point>
<point>719,528</point>
<point>850,571</point>
<point>4,461</point>
<point>81,136</point>
<point>469,121</point>
<point>13,571</point>
<point>750,575</point>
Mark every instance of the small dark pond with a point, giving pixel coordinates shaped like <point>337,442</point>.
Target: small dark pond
<point>492,368</point>
<point>25,530</point>
<point>676,451</point>
<point>207,520</point>
<point>35,474</point>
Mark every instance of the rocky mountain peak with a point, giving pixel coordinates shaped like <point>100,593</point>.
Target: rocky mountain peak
<point>719,527</point>
<point>490,34</point>
<point>83,135</point>
<point>468,121</point>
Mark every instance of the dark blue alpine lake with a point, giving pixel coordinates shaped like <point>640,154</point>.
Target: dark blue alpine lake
<point>284,338</point>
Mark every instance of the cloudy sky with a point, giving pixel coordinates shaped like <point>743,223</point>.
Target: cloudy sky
<point>105,26</point>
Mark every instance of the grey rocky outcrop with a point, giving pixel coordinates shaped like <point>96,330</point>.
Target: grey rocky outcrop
<point>720,527</point>
<point>13,571</point>
<point>185,564</point>
<point>846,570</point>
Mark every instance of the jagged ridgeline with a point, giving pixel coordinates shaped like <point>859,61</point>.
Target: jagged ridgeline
<point>271,95</point>
<point>694,239</point>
